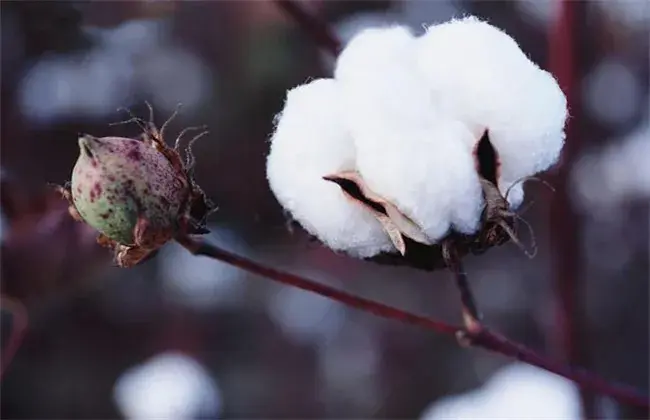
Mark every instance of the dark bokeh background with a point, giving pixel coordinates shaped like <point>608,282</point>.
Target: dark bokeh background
<point>218,342</point>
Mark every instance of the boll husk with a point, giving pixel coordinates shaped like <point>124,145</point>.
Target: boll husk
<point>116,181</point>
<point>310,142</point>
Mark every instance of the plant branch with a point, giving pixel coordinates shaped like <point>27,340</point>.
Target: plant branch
<point>319,31</point>
<point>469,308</point>
<point>566,230</point>
<point>564,222</point>
<point>199,247</point>
<point>479,337</point>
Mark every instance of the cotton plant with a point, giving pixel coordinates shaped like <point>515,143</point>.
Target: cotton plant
<point>412,147</point>
<point>417,140</point>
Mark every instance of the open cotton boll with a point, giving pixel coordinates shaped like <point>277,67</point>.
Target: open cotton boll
<point>479,73</point>
<point>309,142</point>
<point>408,152</point>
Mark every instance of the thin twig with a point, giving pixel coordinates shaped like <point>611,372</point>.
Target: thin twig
<point>318,30</point>
<point>482,337</point>
<point>471,316</point>
<point>469,308</point>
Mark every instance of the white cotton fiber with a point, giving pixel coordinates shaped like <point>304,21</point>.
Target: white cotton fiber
<point>478,72</point>
<point>408,152</point>
<point>310,141</point>
<point>170,385</point>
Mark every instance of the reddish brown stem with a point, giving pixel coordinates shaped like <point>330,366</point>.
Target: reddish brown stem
<point>565,224</point>
<point>564,232</point>
<point>480,337</point>
<point>469,308</point>
<point>319,31</point>
<point>499,344</point>
<point>202,248</point>
<point>471,316</point>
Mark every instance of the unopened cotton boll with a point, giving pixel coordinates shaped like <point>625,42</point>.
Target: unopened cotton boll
<point>310,141</point>
<point>478,72</point>
<point>408,151</point>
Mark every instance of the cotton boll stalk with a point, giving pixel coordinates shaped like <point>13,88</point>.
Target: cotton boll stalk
<point>478,72</point>
<point>408,151</point>
<point>310,142</point>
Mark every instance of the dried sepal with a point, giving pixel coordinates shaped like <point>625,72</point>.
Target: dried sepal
<point>415,249</point>
<point>497,228</point>
<point>395,223</point>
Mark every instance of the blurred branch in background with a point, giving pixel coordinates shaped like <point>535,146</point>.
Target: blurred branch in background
<point>321,34</point>
<point>568,329</point>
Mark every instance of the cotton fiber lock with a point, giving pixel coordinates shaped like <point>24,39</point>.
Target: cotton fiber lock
<point>479,74</point>
<point>311,141</point>
<point>409,151</point>
<point>404,115</point>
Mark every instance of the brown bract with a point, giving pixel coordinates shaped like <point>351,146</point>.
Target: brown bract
<point>192,213</point>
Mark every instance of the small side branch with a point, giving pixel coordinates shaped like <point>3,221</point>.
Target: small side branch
<point>469,308</point>
<point>318,30</point>
<point>480,337</point>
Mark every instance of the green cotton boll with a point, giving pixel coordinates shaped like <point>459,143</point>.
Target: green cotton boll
<point>118,180</point>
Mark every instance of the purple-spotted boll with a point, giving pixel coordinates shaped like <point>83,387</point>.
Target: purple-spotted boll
<point>118,181</point>
<point>138,193</point>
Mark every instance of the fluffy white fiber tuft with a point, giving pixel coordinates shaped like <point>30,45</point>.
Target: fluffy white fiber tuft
<point>407,114</point>
<point>480,74</point>
<point>311,141</point>
<point>408,151</point>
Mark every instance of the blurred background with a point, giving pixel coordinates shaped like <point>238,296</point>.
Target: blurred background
<point>188,337</point>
